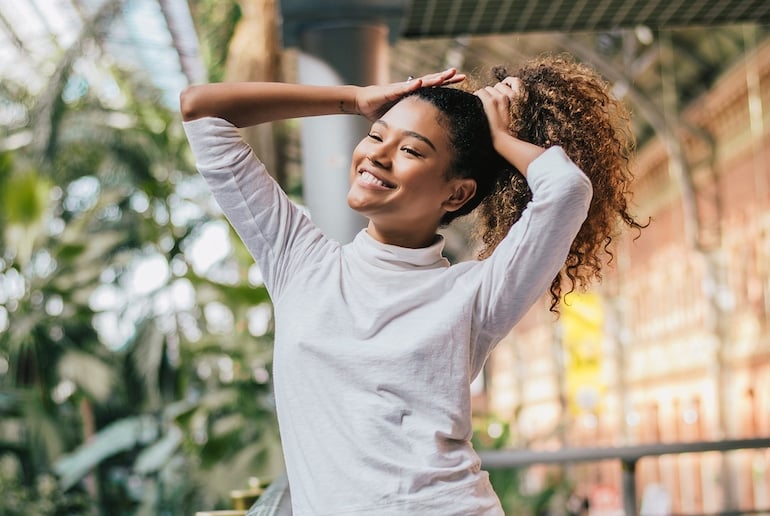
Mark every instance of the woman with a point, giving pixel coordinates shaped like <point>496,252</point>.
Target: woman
<point>377,341</point>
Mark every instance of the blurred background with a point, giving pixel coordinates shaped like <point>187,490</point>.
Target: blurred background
<point>136,334</point>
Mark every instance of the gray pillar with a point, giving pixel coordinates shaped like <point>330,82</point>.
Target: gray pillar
<point>340,42</point>
<point>331,55</point>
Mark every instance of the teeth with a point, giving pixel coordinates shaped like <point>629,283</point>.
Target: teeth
<point>366,177</point>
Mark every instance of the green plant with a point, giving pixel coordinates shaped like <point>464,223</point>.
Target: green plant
<point>491,433</point>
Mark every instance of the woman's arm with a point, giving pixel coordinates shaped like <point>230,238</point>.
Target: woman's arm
<point>497,105</point>
<point>250,103</point>
<point>245,104</point>
<point>525,262</point>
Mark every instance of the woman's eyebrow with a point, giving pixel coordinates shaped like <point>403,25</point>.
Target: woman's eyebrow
<point>410,133</point>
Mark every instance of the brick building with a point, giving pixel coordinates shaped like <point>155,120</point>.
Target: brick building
<point>682,350</point>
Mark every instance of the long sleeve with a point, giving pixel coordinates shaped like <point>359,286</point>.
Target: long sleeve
<point>277,233</point>
<point>522,267</point>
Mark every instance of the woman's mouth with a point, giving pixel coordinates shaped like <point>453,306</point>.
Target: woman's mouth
<point>370,179</point>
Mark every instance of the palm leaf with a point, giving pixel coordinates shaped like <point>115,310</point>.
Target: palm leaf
<point>91,374</point>
<point>117,437</point>
<point>157,455</point>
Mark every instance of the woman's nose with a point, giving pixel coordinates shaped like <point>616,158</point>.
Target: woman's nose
<point>378,159</point>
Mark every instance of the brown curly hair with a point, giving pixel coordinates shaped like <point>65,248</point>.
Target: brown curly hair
<point>567,104</point>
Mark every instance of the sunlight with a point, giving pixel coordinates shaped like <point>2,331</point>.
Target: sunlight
<point>211,246</point>
<point>148,274</point>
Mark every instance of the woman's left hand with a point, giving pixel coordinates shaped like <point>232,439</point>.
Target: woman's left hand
<point>373,101</point>
<point>497,102</point>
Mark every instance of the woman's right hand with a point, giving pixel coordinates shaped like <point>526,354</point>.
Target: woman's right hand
<point>373,101</point>
<point>497,102</point>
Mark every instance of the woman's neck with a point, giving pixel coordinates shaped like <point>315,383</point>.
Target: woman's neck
<point>409,239</point>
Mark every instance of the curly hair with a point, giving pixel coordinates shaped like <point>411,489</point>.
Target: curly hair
<point>567,104</point>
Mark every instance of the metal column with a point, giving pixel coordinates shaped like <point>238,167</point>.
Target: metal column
<point>629,486</point>
<point>340,42</point>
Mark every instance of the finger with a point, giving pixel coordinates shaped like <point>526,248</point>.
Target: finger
<point>505,93</point>
<point>455,79</point>
<point>484,93</point>
<point>409,85</point>
<point>498,91</point>
<point>504,89</point>
<point>514,83</point>
<point>430,77</point>
<point>448,76</point>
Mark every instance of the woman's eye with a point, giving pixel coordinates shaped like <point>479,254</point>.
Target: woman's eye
<point>375,136</point>
<point>411,151</point>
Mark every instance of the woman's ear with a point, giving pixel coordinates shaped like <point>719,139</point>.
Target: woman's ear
<point>463,190</point>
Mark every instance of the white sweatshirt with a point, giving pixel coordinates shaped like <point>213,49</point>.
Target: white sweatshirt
<point>376,345</point>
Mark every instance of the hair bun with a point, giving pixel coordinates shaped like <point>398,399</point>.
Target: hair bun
<point>499,72</point>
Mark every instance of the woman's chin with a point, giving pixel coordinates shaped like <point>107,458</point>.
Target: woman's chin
<point>357,203</point>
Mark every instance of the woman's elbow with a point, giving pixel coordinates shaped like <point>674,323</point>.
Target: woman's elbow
<point>189,103</point>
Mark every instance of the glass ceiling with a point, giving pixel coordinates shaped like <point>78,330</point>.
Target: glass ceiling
<point>158,38</point>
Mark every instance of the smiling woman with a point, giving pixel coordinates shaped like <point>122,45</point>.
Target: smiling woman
<point>400,178</point>
<point>378,341</point>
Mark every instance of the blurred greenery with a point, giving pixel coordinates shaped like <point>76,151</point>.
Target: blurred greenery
<point>134,375</point>
<point>517,495</point>
<point>216,22</point>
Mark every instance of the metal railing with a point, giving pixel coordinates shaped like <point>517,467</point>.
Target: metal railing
<point>627,455</point>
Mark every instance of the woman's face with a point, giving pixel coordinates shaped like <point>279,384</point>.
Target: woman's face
<point>398,176</point>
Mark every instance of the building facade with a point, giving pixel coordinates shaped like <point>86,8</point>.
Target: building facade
<point>674,344</point>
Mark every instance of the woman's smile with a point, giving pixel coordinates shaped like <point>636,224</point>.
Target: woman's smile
<point>371,180</point>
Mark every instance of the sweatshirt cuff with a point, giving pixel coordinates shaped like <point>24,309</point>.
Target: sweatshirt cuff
<point>554,166</point>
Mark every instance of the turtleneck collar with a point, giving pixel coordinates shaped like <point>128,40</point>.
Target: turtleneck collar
<point>394,257</point>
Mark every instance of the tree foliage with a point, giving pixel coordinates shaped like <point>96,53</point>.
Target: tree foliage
<point>134,361</point>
